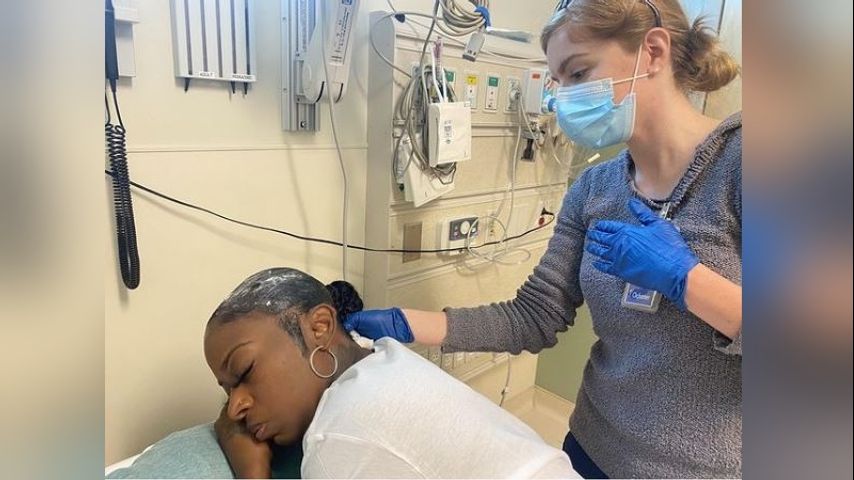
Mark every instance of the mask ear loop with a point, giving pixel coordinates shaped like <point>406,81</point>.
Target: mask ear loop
<point>635,75</point>
<point>637,65</point>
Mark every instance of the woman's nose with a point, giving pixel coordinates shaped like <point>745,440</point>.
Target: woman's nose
<point>239,403</point>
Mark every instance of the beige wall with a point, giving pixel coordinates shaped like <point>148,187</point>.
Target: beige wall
<point>727,100</point>
<point>226,152</point>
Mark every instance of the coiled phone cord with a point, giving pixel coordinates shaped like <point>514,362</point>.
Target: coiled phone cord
<point>122,202</point>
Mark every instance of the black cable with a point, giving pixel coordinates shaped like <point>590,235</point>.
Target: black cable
<point>116,141</point>
<point>321,240</point>
<point>125,225</point>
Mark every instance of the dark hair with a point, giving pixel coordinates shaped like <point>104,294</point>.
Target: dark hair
<point>287,294</point>
<point>345,298</point>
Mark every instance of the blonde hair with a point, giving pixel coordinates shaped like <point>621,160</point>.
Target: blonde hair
<point>699,62</point>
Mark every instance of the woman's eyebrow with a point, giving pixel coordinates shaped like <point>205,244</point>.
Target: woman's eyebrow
<point>561,70</point>
<point>230,352</point>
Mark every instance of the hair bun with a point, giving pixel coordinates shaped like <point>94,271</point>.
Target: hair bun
<point>345,298</point>
<point>708,66</point>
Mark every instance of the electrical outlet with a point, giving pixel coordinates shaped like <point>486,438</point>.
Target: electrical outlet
<point>471,87</point>
<point>421,350</point>
<point>459,359</point>
<point>453,232</point>
<point>448,361</point>
<point>451,80</point>
<point>514,91</point>
<point>493,83</point>
<point>519,223</point>
<point>539,218</point>
<point>436,356</point>
<point>490,226</point>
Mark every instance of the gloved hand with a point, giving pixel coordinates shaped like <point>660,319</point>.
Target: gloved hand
<point>376,324</point>
<point>652,255</point>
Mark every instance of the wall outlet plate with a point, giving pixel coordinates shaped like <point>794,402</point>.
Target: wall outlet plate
<point>454,231</point>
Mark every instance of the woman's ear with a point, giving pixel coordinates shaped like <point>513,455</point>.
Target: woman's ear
<point>318,326</point>
<point>656,44</point>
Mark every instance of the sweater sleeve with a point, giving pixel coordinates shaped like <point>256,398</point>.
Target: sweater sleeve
<point>720,341</point>
<point>544,305</point>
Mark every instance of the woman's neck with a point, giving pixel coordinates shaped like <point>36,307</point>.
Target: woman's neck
<point>348,353</point>
<point>664,144</point>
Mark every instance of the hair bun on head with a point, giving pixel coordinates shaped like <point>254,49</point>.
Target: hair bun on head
<point>345,298</point>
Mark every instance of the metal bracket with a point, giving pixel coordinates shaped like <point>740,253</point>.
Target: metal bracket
<point>299,18</point>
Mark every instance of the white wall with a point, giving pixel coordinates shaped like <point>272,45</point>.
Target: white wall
<point>226,152</point>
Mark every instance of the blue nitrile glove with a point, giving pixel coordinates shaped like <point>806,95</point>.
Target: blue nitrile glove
<point>652,255</point>
<point>376,324</point>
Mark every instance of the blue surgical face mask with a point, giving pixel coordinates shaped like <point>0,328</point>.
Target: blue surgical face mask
<point>588,115</point>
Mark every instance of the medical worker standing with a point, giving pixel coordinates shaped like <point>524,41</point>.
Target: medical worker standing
<point>650,240</point>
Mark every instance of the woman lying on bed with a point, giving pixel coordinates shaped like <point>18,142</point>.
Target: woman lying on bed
<point>292,374</point>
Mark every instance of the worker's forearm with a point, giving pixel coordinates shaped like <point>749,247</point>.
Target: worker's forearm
<point>428,328</point>
<point>715,299</point>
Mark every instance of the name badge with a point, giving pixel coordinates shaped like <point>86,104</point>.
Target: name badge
<point>641,299</point>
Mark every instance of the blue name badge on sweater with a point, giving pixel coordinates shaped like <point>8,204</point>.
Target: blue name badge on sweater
<point>642,299</point>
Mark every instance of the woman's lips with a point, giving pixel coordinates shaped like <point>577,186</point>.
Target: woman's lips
<point>258,431</point>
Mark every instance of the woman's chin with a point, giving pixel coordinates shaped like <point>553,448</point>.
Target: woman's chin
<point>284,440</point>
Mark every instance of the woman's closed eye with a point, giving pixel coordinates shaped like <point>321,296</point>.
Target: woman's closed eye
<point>578,75</point>
<point>245,375</point>
<point>242,378</point>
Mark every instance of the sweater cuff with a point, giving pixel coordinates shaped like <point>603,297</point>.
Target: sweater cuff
<point>458,319</point>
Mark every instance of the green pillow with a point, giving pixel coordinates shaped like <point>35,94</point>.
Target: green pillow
<point>195,453</point>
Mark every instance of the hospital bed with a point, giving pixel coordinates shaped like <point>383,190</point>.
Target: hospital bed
<point>195,453</point>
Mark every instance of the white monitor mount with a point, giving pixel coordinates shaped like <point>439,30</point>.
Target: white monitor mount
<point>307,45</point>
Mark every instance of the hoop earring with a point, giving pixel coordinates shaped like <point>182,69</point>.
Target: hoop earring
<point>314,369</point>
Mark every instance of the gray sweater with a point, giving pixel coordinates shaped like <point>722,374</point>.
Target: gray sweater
<point>661,395</point>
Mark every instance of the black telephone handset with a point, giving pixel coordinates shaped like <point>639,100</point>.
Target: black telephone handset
<point>111,58</point>
<point>117,151</point>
